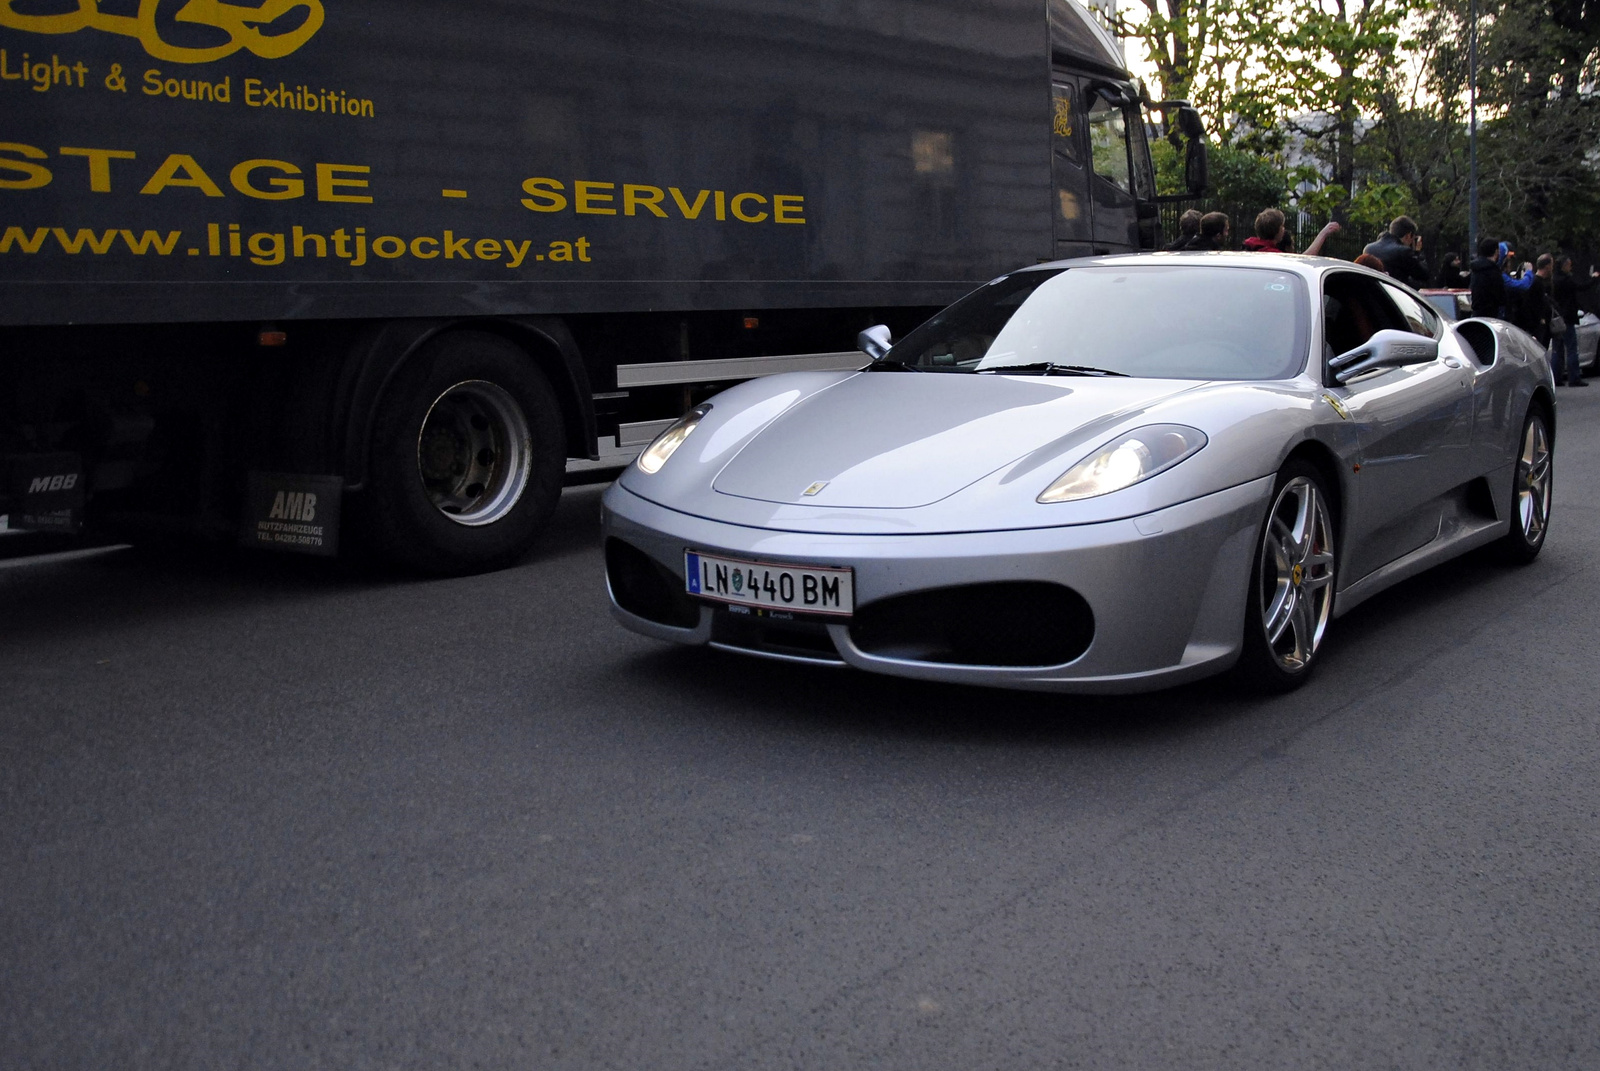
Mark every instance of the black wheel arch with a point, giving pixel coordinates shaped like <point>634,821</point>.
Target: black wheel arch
<point>1324,460</point>
<point>1546,404</point>
<point>384,348</point>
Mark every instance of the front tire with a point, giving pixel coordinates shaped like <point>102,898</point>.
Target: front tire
<point>1290,600</point>
<point>1532,490</point>
<point>468,455</point>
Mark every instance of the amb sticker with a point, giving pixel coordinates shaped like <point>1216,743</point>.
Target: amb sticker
<point>292,512</point>
<point>241,23</point>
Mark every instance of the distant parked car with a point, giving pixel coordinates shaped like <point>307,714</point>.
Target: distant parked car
<point>1589,342</point>
<point>1454,304</point>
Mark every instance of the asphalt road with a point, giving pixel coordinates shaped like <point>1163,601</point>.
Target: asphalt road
<point>279,813</point>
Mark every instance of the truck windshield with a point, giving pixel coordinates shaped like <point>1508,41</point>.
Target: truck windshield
<point>1154,321</point>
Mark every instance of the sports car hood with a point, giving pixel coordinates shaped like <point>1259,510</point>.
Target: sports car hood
<point>898,441</point>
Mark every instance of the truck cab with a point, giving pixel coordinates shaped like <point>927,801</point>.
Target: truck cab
<point>1104,183</point>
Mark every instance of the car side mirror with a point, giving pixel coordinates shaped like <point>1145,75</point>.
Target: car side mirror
<point>1386,349</point>
<point>875,341</point>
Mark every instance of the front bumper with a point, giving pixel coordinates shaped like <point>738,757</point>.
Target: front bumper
<point>1167,589</point>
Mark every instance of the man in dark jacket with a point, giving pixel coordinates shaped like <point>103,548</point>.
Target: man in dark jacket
<point>1564,343</point>
<point>1401,252</point>
<point>1188,230</point>
<point>1213,232</point>
<point>1537,307</point>
<point>1487,284</point>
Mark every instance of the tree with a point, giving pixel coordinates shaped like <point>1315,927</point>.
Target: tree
<point>1203,51</point>
<point>1334,66</point>
<point>1419,142</point>
<point>1540,60</point>
<point>1539,129</point>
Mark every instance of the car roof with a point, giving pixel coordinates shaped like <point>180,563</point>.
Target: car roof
<point>1309,267</point>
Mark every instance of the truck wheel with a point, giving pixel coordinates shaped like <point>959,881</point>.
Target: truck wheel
<point>468,454</point>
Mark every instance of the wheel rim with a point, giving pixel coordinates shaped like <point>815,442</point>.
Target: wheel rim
<point>1534,483</point>
<point>473,453</point>
<point>1297,559</point>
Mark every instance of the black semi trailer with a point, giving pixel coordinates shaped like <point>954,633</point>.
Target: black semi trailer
<point>274,268</point>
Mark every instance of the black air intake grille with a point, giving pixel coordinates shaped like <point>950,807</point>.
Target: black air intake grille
<point>1006,623</point>
<point>646,588</point>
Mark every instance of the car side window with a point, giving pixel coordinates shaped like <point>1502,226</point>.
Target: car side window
<point>1420,319</point>
<point>1354,308</point>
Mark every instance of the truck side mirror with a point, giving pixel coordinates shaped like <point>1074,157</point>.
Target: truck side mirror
<point>875,341</point>
<point>1385,349</point>
<point>1190,123</point>
<point>1197,166</point>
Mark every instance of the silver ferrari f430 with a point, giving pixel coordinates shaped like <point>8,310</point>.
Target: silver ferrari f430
<point>1098,475</point>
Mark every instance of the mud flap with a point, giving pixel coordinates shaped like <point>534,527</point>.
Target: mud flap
<point>47,492</point>
<point>294,513</point>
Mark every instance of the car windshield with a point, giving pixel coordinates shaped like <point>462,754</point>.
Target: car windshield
<point>1175,321</point>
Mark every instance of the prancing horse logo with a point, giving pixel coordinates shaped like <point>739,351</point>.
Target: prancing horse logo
<point>814,489</point>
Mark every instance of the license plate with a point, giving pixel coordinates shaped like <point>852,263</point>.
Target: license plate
<point>801,588</point>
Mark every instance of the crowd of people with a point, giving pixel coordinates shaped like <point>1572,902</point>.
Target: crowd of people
<point>1541,297</point>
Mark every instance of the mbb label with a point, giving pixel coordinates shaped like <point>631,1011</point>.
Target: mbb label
<point>291,512</point>
<point>45,484</point>
<point>47,491</point>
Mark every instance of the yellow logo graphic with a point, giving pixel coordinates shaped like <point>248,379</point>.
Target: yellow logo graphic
<point>243,25</point>
<point>1063,115</point>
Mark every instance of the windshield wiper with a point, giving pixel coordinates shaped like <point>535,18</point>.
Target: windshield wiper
<point>1050,368</point>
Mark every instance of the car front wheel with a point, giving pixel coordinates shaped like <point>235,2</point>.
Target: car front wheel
<point>1290,600</point>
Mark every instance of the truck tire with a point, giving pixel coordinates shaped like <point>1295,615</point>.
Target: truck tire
<point>467,459</point>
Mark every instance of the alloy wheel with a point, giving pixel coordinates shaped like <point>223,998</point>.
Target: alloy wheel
<point>1297,562</point>
<point>1534,483</point>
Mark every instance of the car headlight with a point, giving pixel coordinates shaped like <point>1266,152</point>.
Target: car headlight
<point>1125,461</point>
<point>655,455</point>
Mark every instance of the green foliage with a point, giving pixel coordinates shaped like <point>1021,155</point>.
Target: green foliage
<point>1376,203</point>
<point>1322,203</point>
<point>1538,130</point>
<point>1242,177</point>
<point>1374,92</point>
<point>1169,168</point>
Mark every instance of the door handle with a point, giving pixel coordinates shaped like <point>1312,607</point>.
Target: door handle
<point>1452,362</point>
